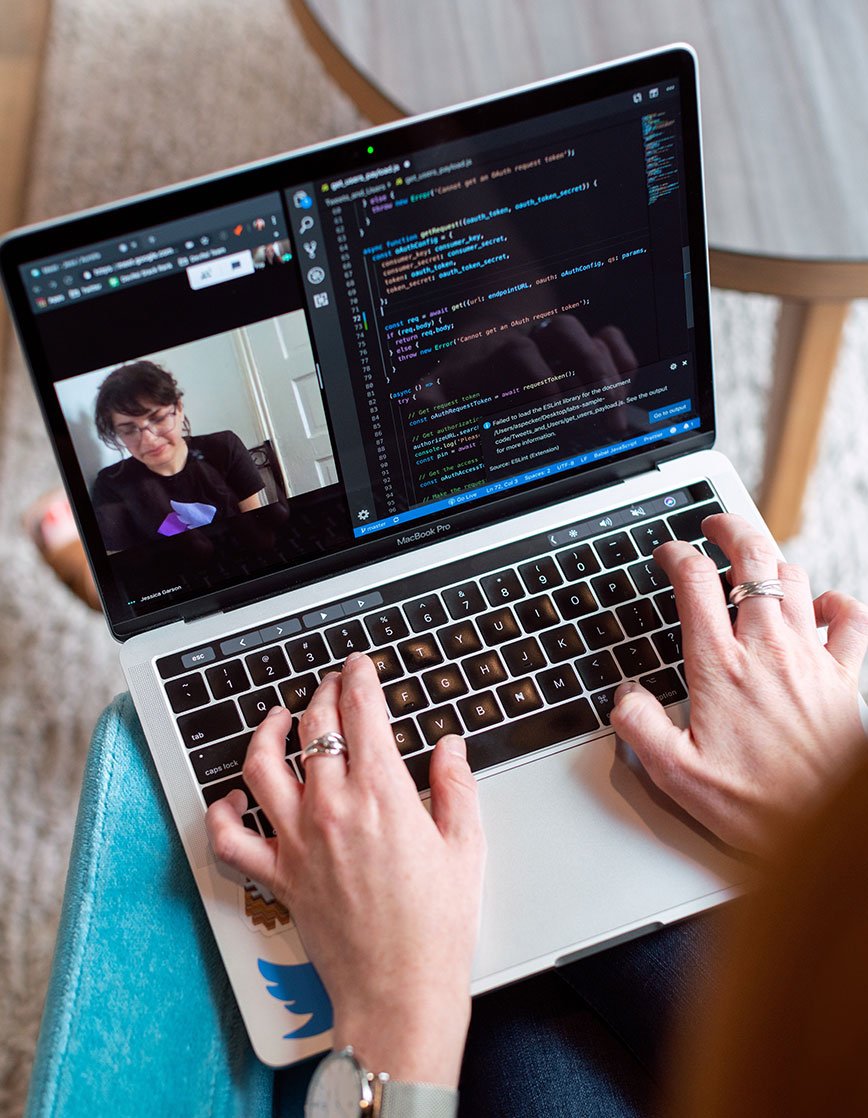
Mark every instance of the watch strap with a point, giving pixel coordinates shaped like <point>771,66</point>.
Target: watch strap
<point>416,1100</point>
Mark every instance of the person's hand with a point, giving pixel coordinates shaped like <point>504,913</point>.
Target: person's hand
<point>386,897</point>
<point>774,717</point>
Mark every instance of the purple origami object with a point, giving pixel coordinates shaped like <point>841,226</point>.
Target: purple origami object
<point>185,516</point>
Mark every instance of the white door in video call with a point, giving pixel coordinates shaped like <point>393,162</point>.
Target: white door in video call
<point>278,355</point>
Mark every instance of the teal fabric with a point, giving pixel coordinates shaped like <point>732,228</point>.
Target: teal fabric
<point>139,1016</point>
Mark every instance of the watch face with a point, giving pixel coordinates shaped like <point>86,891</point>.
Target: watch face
<point>337,1089</point>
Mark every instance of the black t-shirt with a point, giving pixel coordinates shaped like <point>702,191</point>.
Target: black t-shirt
<point>135,506</point>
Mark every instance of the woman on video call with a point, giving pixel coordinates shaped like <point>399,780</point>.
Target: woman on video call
<point>172,480</point>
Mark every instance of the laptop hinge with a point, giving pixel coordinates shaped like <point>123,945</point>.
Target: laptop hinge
<point>193,614</point>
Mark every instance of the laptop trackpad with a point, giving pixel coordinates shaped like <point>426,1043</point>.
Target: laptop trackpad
<point>581,847</point>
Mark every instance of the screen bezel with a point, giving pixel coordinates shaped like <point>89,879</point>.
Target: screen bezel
<point>236,185</point>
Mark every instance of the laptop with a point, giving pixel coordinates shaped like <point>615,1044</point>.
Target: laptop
<point>435,392</point>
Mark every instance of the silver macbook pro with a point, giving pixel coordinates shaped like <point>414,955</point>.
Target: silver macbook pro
<point>435,392</point>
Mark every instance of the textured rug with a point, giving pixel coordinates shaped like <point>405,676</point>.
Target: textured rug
<point>147,92</point>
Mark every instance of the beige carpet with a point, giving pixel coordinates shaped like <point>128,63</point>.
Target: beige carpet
<point>138,94</point>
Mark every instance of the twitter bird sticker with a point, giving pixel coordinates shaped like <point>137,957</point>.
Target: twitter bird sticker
<point>299,987</point>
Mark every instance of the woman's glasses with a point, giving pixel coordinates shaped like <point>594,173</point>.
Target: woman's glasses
<point>160,423</point>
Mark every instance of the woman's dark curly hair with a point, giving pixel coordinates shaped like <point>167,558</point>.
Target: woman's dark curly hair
<point>134,389</point>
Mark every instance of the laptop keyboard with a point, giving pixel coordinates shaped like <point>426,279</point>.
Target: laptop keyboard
<point>517,649</point>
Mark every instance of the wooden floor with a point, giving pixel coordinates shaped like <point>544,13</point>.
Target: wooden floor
<point>22,39</point>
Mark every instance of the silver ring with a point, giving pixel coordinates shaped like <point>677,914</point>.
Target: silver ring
<point>766,588</point>
<point>331,744</point>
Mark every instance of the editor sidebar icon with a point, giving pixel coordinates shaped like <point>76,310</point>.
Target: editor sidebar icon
<point>321,299</point>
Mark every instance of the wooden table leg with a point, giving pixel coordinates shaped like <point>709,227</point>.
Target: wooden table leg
<point>809,337</point>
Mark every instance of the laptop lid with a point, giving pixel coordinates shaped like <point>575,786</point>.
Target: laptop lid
<point>394,338</point>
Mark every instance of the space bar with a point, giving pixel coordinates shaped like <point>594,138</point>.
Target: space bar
<point>515,739</point>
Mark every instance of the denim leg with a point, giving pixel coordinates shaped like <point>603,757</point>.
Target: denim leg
<point>649,987</point>
<point>592,1038</point>
<point>536,1049</point>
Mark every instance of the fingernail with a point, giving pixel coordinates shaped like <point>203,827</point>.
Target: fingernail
<point>455,745</point>
<point>353,656</point>
<point>275,710</point>
<point>625,689</point>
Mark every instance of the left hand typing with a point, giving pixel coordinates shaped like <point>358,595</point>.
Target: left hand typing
<point>386,897</point>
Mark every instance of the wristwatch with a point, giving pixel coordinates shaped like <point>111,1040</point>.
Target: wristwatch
<point>342,1088</point>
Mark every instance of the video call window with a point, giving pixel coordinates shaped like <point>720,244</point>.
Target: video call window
<point>179,439</point>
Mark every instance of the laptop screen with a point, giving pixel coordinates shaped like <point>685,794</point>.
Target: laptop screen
<point>300,366</point>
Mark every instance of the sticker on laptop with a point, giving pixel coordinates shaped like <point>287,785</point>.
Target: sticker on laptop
<point>261,911</point>
<point>299,987</point>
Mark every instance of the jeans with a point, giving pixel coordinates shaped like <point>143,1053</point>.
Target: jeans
<point>140,1018</point>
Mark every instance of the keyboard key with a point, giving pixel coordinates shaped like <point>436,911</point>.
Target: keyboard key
<point>666,606</point>
<point>600,630</point>
<point>523,656</point>
<point>613,588</point>
<point>666,685</point>
<point>536,613</point>
<point>502,587</point>
<point>209,724</point>
<point>578,562</point>
<point>648,576</point>
<point>598,671</point>
<point>297,693</point>
<point>257,704</point>
<point>405,697</point>
<point>186,693</point>
<point>484,670</point>
<point>389,625</point>
<point>638,617</point>
<point>419,653</point>
<point>445,682</point>
<point>558,684</point>
<point>480,711</point>
<point>308,652</point>
<point>362,602</point>
<point>603,701</point>
<point>196,658</point>
<point>344,639</point>
<point>563,643</point>
<point>425,613</point>
<point>224,759</point>
<point>227,679</point>
<point>459,640</point>
<point>211,793</point>
<point>615,550</point>
<point>240,644</point>
<point>281,629</point>
<point>388,665</point>
<point>649,536</point>
<point>541,575</point>
<point>435,723</point>
<point>687,525</point>
<point>464,600</point>
<point>407,737</point>
<point>576,601</point>
<point>267,666</point>
<point>716,553</point>
<point>519,697</point>
<point>321,616</point>
<point>636,657</point>
<point>668,645</point>
<point>498,626</point>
